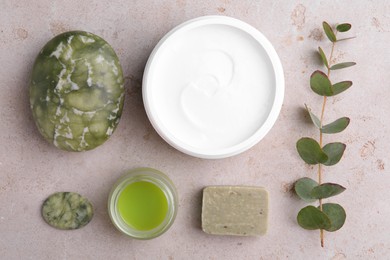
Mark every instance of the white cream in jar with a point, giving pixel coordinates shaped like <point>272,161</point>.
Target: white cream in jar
<point>213,87</point>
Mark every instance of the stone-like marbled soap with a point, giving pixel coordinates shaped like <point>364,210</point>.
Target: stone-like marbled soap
<point>77,91</point>
<point>235,210</point>
<point>67,210</point>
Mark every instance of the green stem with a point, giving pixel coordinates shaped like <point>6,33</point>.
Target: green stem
<point>321,123</point>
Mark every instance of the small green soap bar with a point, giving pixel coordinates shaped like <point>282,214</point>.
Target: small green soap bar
<point>235,210</point>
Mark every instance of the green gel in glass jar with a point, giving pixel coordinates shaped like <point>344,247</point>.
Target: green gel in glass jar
<point>143,203</point>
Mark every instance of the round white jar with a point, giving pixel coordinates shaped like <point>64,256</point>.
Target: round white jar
<point>213,87</point>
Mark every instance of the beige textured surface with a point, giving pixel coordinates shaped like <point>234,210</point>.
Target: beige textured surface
<point>235,210</point>
<point>31,169</point>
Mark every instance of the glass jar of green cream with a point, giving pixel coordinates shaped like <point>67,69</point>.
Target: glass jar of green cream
<point>143,203</point>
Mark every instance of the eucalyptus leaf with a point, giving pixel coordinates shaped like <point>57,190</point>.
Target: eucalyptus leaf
<point>321,84</point>
<point>303,188</point>
<point>344,27</point>
<point>329,32</point>
<point>336,215</point>
<point>336,127</point>
<point>341,87</point>
<point>326,190</point>
<point>310,151</point>
<point>334,151</point>
<point>313,118</point>
<point>323,57</point>
<point>343,65</point>
<point>312,218</point>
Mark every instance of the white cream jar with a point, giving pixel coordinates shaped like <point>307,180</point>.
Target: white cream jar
<point>213,87</point>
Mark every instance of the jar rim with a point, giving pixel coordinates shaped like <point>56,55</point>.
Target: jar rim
<point>155,177</point>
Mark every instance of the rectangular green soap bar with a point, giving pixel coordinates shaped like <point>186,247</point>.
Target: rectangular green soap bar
<point>235,210</point>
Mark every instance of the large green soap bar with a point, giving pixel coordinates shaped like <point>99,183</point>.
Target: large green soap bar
<point>235,210</point>
<point>77,91</point>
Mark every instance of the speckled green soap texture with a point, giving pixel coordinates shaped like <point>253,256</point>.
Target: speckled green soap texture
<point>77,91</point>
<point>235,210</point>
<point>67,210</point>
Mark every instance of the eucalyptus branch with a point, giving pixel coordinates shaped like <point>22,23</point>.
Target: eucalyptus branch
<point>329,216</point>
<point>321,124</point>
